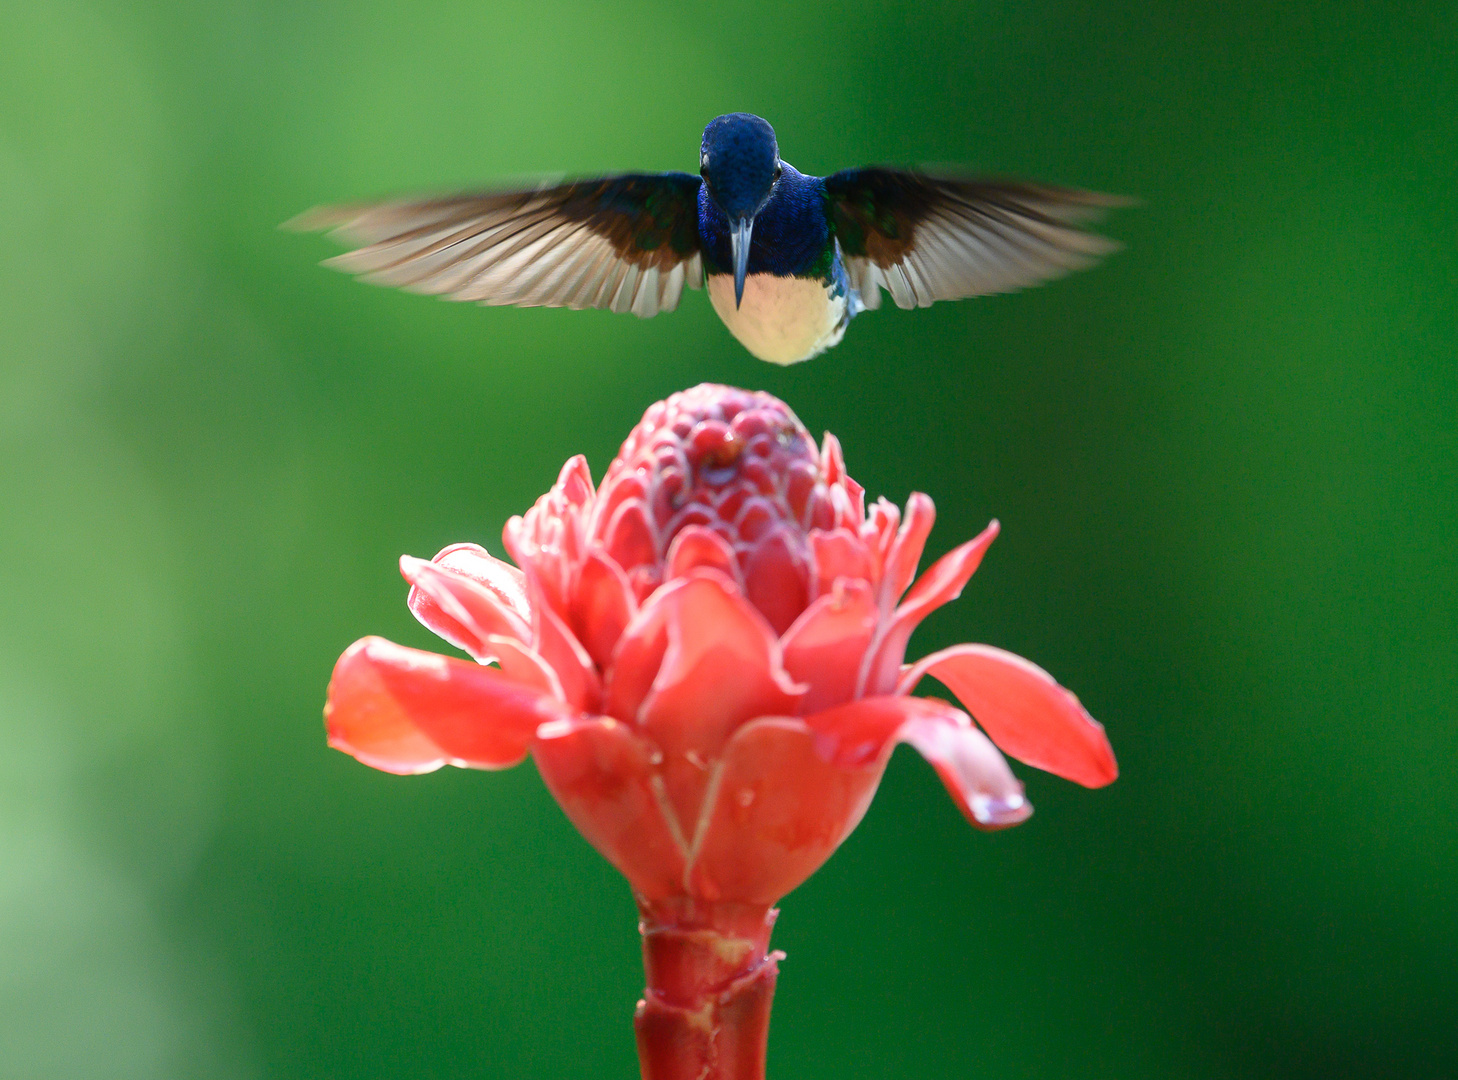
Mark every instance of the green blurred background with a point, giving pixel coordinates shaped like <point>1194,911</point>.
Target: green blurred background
<point>1225,464</point>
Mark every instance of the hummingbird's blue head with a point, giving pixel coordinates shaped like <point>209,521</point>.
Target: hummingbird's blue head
<point>740,163</point>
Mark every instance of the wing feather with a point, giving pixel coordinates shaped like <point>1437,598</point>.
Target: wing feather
<point>627,243</point>
<point>925,237</point>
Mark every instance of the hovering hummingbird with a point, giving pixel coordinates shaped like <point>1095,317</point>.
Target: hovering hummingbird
<point>789,259</point>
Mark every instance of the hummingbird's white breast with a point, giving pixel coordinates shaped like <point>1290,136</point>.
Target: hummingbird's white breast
<point>782,319</point>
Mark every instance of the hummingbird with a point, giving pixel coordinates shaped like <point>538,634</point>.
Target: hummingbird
<point>789,259</point>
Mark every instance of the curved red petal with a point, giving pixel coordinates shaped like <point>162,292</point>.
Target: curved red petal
<point>776,580</point>
<point>838,553</point>
<point>575,482</point>
<point>832,460</point>
<point>696,546</point>
<point>939,585</point>
<point>602,606</point>
<point>907,548</point>
<point>564,654</point>
<point>601,774</point>
<point>879,529</point>
<point>460,609</point>
<point>478,564</point>
<point>722,666</point>
<point>825,646</point>
<point>519,664</point>
<point>1024,710</point>
<point>775,811</point>
<point>944,582</point>
<point>629,536</point>
<point>978,778</point>
<point>407,711</point>
<point>862,731</point>
<point>635,663</point>
<point>975,774</point>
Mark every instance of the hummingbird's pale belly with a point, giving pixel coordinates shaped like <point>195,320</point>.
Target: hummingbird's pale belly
<point>782,319</point>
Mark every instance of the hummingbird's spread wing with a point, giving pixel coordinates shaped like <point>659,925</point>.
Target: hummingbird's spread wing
<point>626,243</point>
<point>924,237</point>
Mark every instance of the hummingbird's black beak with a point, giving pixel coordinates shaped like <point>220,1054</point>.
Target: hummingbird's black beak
<point>739,249</point>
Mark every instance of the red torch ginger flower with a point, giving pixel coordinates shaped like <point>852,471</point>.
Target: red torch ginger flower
<point>704,655</point>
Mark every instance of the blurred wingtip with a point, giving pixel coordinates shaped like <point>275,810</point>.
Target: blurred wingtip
<point>318,218</point>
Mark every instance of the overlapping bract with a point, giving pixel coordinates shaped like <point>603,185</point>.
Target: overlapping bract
<point>704,657</point>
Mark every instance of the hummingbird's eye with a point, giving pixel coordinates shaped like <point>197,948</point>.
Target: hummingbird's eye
<point>703,163</point>
<point>779,169</point>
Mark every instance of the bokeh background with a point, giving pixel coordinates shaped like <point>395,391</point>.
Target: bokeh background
<point>1225,462</point>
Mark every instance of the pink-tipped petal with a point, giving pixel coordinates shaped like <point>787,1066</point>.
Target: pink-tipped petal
<point>832,459</point>
<point>978,778</point>
<point>718,666</point>
<point>478,564</point>
<point>825,646</point>
<point>975,774</point>
<point>698,546</point>
<point>907,548</point>
<point>519,664</point>
<point>603,606</point>
<point>939,585</point>
<point>1024,710</point>
<point>722,666</point>
<point>459,608</point>
<point>879,533</point>
<point>776,580</point>
<point>947,577</point>
<point>569,661</point>
<point>407,711</point>
<point>629,537</point>
<point>575,482</point>
<point>776,810</point>
<point>838,553</point>
<point>516,540</point>
<point>601,773</point>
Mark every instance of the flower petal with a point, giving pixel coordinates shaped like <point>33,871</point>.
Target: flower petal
<point>722,666</point>
<point>944,582</point>
<point>838,553</point>
<point>975,774</point>
<point>459,608</point>
<point>825,646</point>
<point>564,654</point>
<point>698,545</point>
<point>1024,710</point>
<point>407,711</point>
<point>907,548</point>
<point>879,530</point>
<point>602,606</point>
<point>503,579</point>
<point>832,468</point>
<point>776,579</point>
<point>575,482</point>
<point>600,772</point>
<point>519,664</point>
<point>978,778</point>
<point>629,536</point>
<point>939,585</point>
<point>696,662</point>
<point>776,810</point>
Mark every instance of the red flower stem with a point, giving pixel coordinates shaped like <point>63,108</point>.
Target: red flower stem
<point>705,1013</point>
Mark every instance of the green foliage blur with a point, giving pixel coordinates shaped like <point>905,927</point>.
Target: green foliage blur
<point>1225,463</point>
